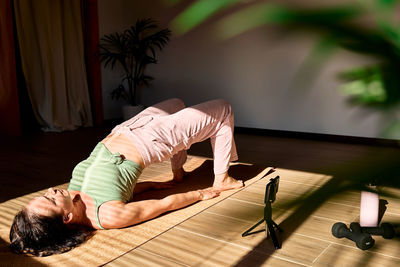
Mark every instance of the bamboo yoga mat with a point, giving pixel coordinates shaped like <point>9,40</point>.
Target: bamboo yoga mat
<point>107,245</point>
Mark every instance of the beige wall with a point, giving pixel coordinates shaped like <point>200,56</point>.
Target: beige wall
<point>255,71</point>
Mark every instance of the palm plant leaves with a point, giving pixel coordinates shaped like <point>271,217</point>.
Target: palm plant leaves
<point>113,49</point>
<point>133,50</point>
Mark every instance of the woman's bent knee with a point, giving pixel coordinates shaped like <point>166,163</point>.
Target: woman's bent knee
<point>225,105</point>
<point>177,103</point>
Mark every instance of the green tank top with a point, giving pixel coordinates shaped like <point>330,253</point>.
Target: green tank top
<point>105,176</point>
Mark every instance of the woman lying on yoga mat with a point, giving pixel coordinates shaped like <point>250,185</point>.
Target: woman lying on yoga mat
<point>102,186</point>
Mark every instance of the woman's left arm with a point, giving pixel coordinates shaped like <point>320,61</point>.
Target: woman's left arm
<point>126,214</point>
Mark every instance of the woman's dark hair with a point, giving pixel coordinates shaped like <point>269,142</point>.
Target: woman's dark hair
<point>43,236</point>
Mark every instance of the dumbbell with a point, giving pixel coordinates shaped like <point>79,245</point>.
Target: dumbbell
<point>363,240</point>
<point>386,230</point>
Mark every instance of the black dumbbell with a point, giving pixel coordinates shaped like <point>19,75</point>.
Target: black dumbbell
<point>363,240</point>
<point>386,230</point>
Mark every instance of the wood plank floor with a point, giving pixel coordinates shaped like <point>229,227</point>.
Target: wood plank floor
<point>318,187</point>
<point>213,237</point>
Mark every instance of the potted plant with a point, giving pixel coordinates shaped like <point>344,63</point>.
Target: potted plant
<point>132,50</point>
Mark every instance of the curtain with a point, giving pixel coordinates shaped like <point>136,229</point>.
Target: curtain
<point>51,45</point>
<point>93,66</point>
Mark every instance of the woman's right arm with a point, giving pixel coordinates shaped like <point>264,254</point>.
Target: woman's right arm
<point>121,214</point>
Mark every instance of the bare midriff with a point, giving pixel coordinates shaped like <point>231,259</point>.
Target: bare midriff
<point>117,142</point>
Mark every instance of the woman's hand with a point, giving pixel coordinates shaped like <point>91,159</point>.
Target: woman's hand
<point>208,193</point>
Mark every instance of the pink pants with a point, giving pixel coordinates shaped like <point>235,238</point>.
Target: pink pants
<point>167,129</point>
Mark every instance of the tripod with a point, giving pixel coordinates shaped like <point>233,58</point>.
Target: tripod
<point>270,195</point>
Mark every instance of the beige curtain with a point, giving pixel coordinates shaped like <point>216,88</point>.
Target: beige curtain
<point>51,44</point>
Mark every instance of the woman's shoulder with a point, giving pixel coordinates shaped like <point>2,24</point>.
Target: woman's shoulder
<point>108,211</point>
<point>88,206</point>
<point>105,211</point>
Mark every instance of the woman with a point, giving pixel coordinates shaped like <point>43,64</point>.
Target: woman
<point>101,187</point>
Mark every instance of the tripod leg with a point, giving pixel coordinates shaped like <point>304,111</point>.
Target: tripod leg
<point>277,226</point>
<point>273,235</point>
<point>248,232</point>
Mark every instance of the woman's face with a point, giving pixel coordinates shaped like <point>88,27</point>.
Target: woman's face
<point>53,202</point>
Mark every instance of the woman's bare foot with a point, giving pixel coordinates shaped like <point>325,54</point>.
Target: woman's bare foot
<point>225,182</point>
<point>179,174</point>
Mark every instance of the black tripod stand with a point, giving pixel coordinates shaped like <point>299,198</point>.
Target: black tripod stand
<point>270,195</point>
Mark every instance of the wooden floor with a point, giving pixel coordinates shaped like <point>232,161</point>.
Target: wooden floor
<point>319,186</point>
<point>213,237</point>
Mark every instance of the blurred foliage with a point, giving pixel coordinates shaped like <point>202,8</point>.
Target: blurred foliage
<point>365,85</point>
<point>198,12</point>
<point>367,27</point>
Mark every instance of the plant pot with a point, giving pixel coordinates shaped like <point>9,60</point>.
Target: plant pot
<point>129,111</point>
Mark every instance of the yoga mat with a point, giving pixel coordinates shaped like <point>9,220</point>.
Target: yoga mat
<point>107,245</point>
